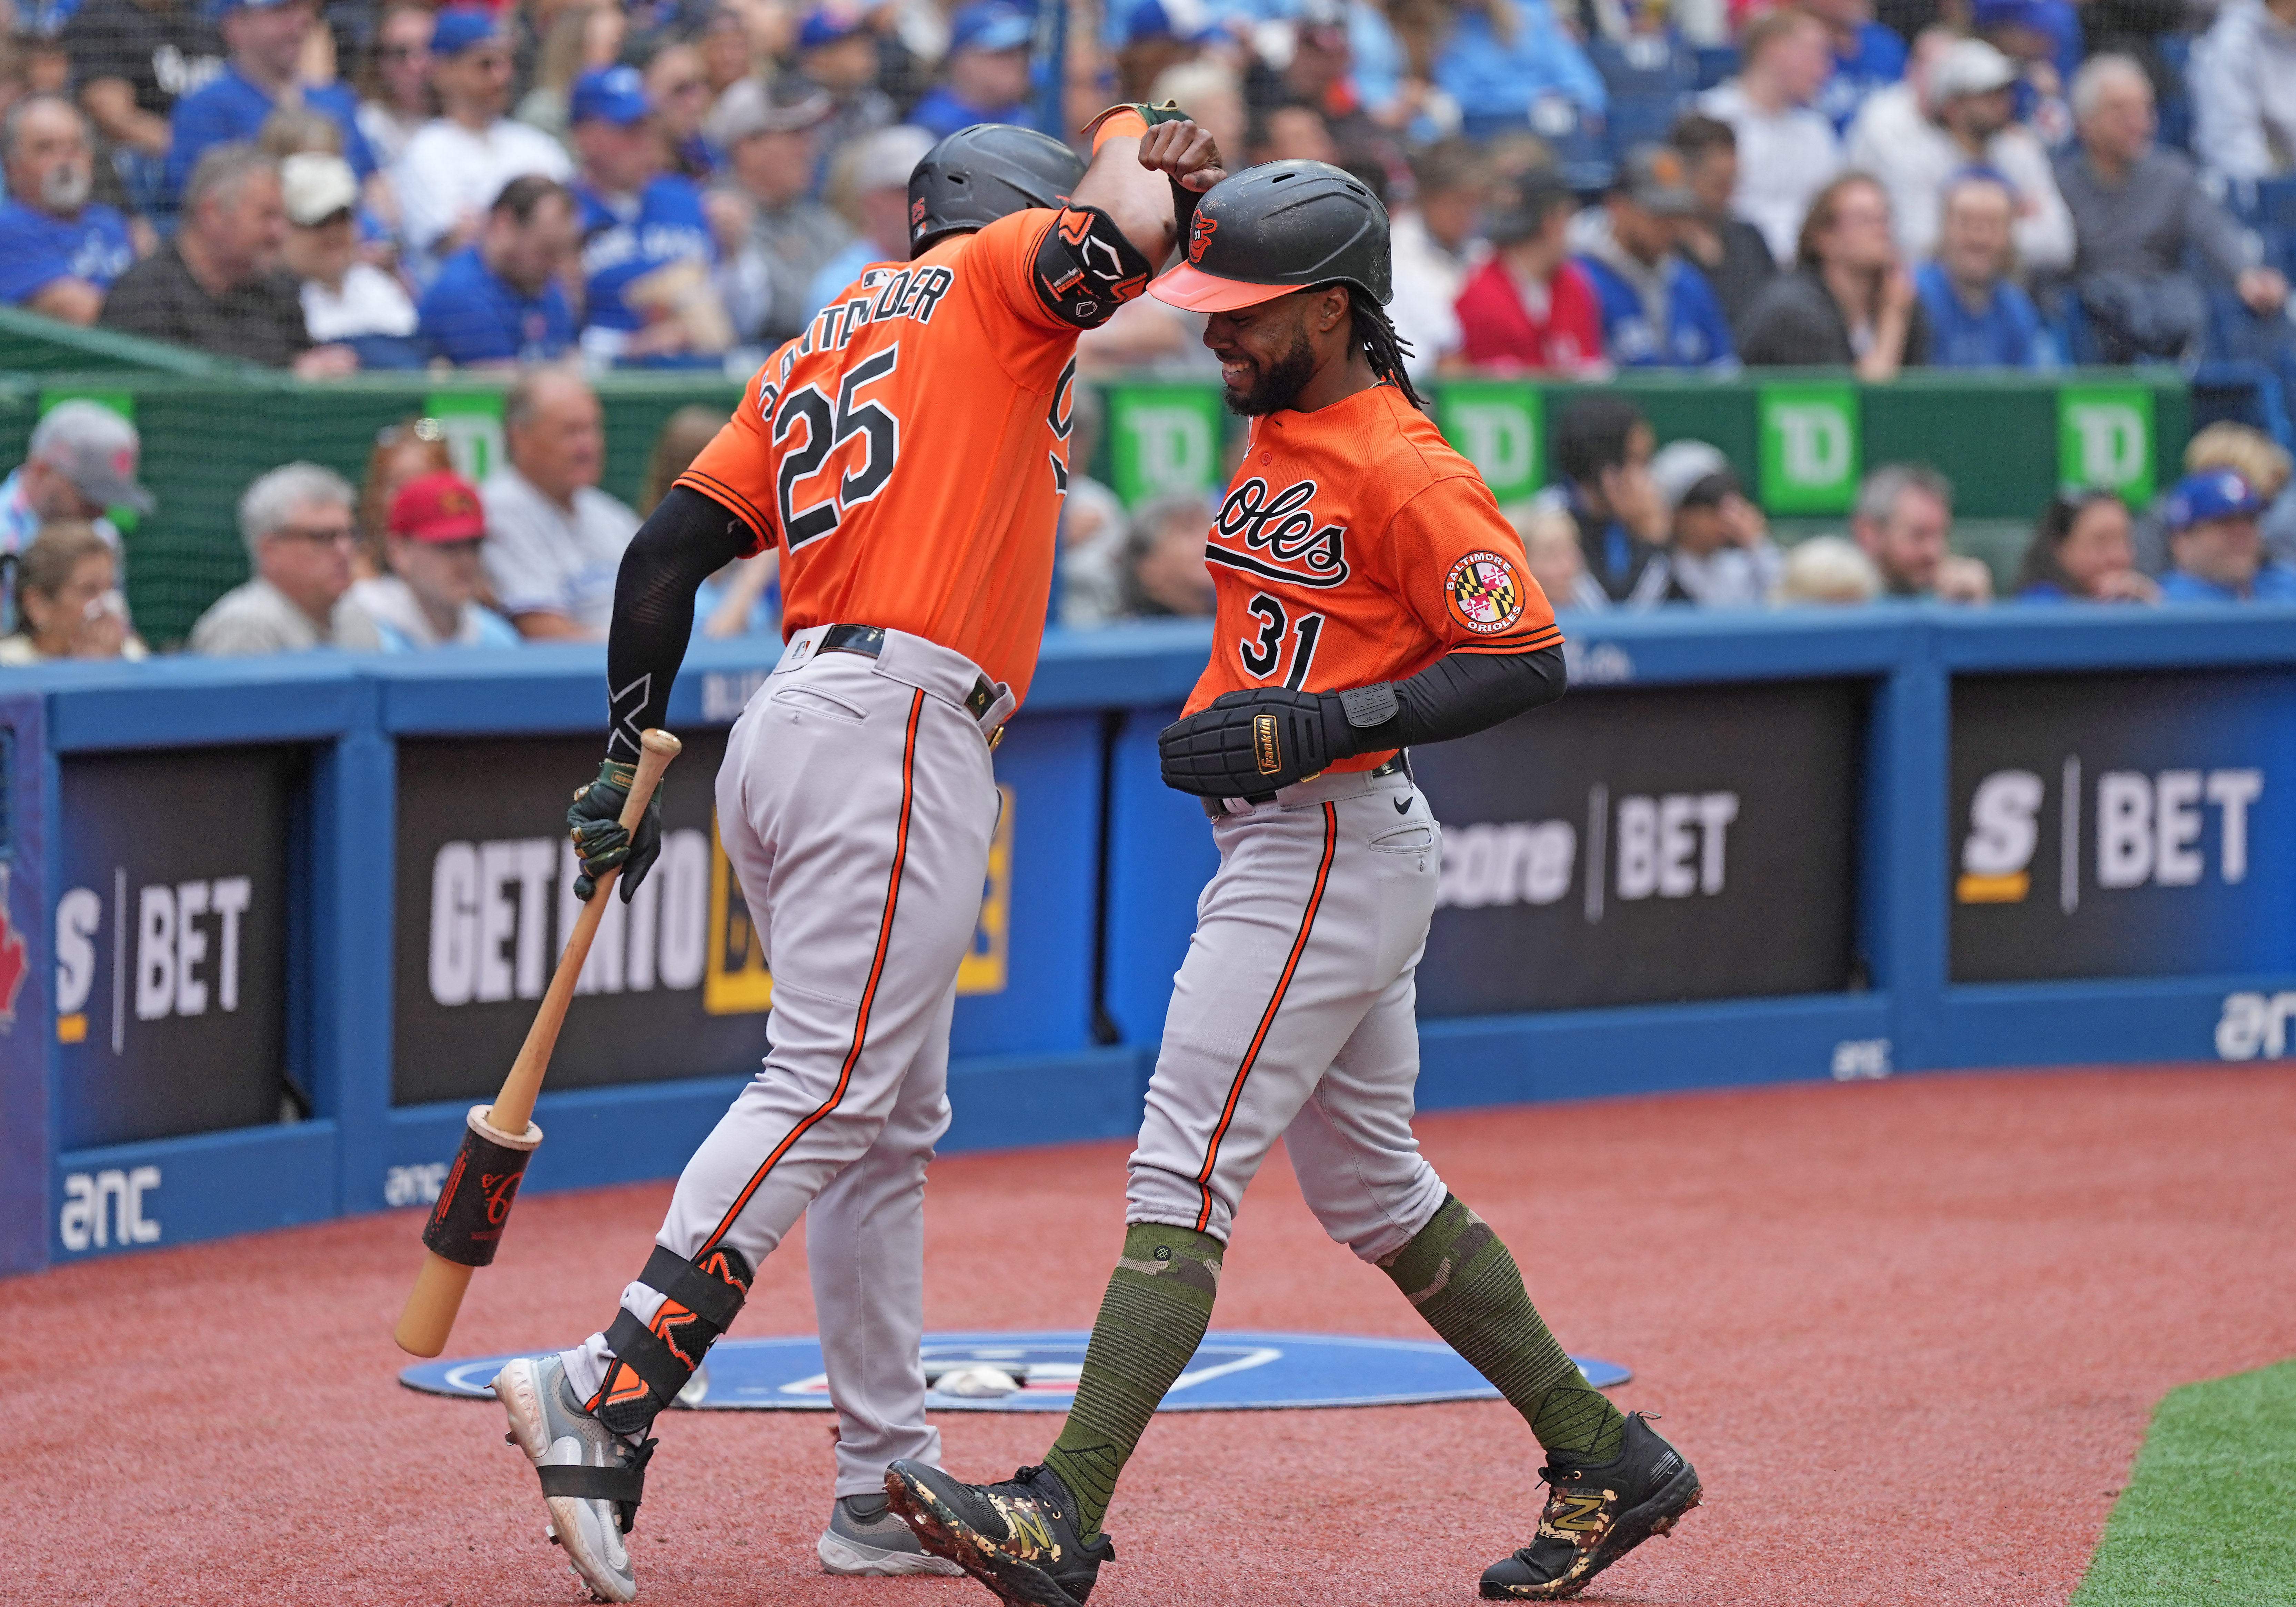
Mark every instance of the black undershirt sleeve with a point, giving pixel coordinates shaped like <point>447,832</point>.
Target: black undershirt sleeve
<point>1464,693</point>
<point>683,542</point>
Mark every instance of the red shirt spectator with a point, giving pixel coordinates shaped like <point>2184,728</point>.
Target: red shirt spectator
<point>1530,306</point>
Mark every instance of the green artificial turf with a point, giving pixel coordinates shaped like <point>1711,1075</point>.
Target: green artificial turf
<point>2210,1513</point>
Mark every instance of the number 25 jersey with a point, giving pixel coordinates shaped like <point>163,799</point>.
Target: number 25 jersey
<point>909,451</point>
<point>1356,545</point>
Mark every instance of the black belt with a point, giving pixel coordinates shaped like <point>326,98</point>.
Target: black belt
<point>869,641</point>
<point>1216,807</point>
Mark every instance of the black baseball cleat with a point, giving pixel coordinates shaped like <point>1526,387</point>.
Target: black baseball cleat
<point>1018,1539</point>
<point>1596,1515</point>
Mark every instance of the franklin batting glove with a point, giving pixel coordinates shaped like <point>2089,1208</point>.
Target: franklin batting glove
<point>1249,744</point>
<point>594,823</point>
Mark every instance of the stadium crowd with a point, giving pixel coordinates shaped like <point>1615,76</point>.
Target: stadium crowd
<point>560,187</point>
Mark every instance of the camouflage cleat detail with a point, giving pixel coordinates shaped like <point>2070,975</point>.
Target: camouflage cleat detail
<point>1593,1516</point>
<point>1018,1539</point>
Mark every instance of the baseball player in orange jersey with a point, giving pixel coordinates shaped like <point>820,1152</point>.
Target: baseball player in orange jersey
<point>907,453</point>
<point>1370,597</point>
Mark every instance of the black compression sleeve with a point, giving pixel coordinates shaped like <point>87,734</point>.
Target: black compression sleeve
<point>683,542</point>
<point>1464,693</point>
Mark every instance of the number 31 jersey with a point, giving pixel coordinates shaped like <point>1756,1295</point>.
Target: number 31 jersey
<point>1354,545</point>
<point>909,451</point>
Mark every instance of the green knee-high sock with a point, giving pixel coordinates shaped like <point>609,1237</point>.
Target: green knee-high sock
<point>1469,1289</point>
<point>1158,1305</point>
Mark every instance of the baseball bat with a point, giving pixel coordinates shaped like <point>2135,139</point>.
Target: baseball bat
<point>504,1132</point>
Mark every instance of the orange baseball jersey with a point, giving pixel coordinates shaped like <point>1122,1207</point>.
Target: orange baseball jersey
<point>1354,545</point>
<point>909,451</point>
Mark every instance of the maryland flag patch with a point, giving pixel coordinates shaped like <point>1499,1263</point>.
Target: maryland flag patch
<point>1484,593</point>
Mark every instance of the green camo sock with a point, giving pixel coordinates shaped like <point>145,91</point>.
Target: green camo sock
<point>1468,1288</point>
<point>1158,1305</point>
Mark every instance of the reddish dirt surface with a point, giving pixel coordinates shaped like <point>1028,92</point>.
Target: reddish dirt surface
<point>1911,1332</point>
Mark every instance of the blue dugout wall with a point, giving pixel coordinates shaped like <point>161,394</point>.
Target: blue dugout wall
<point>270,927</point>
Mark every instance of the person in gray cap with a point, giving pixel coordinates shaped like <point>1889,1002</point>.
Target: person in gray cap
<point>1965,117</point>
<point>1658,310</point>
<point>771,134</point>
<point>1720,542</point>
<point>81,462</point>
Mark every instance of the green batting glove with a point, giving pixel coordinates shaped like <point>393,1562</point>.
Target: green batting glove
<point>594,823</point>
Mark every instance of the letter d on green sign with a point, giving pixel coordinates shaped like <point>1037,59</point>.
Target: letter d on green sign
<point>2104,438</point>
<point>1496,428</point>
<point>1811,452</point>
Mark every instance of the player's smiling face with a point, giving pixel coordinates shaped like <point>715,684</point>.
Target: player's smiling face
<point>1267,354</point>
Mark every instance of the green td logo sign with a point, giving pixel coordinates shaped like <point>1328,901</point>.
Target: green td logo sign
<point>1811,452</point>
<point>1164,438</point>
<point>1497,428</point>
<point>2105,439</point>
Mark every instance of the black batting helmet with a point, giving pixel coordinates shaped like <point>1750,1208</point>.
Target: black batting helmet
<point>1280,228</point>
<point>980,173</point>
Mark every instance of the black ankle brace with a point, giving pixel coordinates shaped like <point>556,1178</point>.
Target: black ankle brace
<point>652,1361</point>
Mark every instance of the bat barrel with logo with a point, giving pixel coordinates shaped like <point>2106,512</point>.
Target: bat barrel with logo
<point>474,1204</point>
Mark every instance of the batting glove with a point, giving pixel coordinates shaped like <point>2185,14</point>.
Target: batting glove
<point>1249,744</point>
<point>594,823</point>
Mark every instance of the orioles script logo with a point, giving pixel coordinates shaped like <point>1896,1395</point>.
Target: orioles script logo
<point>1200,236</point>
<point>1279,538</point>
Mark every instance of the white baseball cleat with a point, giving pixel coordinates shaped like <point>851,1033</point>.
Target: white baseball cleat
<point>865,1539</point>
<point>548,1423</point>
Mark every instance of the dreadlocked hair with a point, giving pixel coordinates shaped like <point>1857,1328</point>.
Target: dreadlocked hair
<point>1382,347</point>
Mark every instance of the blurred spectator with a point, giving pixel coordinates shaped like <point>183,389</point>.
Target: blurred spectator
<point>2215,546</point>
<point>430,597</point>
<point>870,185</point>
<point>1904,523</point>
<point>555,541</point>
<point>2258,459</point>
<point>133,59</point>
<point>345,301</point>
<point>1530,308</point>
<point>266,39</point>
<point>1603,445</point>
<point>583,37</point>
<point>1965,120</point>
<point>1092,527</point>
<point>2044,37</point>
<point>836,50</point>
<point>1866,57</point>
<point>1550,550</point>
<point>1434,243</point>
<point>67,587</point>
<point>1658,310</point>
<point>1292,132</point>
<point>2243,79</point>
<point>59,250</point>
<point>1164,570</point>
<point>1504,57</point>
<point>771,132</point>
<point>2081,553</point>
<point>1210,90</point>
<point>80,462</point>
<point>394,82</point>
<point>401,453</point>
<point>647,254</point>
<point>739,599</point>
<point>1977,318</point>
<point>1787,152</point>
<point>503,301</point>
<point>457,163</point>
<point>2138,212</point>
<point>1730,251</point>
<point>1719,541</point>
<point>218,284</point>
<point>1160,35</point>
<point>297,525</point>
<point>985,79</point>
<point>678,92</point>
<point>1827,569</point>
<point>1849,301</point>
<point>728,56</point>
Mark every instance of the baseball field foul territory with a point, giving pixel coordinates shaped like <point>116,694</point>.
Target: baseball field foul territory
<point>464,1228</point>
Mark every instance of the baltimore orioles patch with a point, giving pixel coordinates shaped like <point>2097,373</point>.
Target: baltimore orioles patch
<point>1484,593</point>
